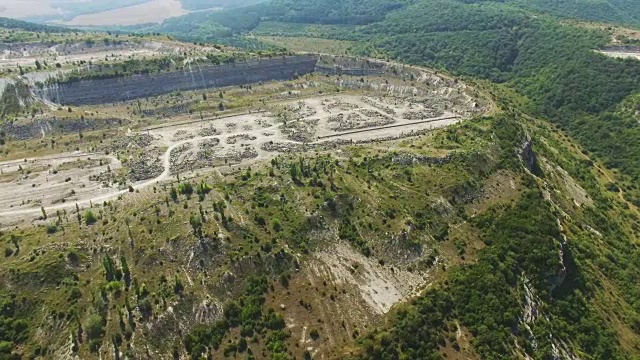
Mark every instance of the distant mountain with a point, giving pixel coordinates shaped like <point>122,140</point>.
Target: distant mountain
<point>193,5</point>
<point>8,23</point>
<point>110,12</point>
<point>59,10</point>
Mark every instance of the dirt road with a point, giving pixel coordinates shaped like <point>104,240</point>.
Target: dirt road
<point>25,193</point>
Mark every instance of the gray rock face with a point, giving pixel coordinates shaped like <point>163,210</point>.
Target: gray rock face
<point>108,90</point>
<point>528,157</point>
<point>351,71</point>
<point>45,127</point>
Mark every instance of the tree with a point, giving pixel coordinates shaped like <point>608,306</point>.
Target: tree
<point>95,327</point>
<point>283,201</point>
<point>294,172</point>
<point>177,285</point>
<point>277,225</point>
<point>109,268</point>
<point>196,225</point>
<point>125,270</point>
<point>173,193</point>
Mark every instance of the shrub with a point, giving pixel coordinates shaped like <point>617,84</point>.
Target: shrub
<point>52,229</point>
<point>89,218</point>
<point>95,327</point>
<point>277,226</point>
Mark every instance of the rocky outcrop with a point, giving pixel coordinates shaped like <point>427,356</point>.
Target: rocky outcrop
<point>49,126</point>
<point>145,167</point>
<point>338,69</point>
<point>561,274</point>
<point>527,155</point>
<point>409,159</point>
<point>528,158</point>
<point>115,89</point>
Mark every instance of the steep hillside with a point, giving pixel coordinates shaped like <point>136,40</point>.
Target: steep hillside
<point>521,248</point>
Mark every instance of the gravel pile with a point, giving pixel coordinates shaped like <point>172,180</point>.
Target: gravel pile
<point>235,138</point>
<point>144,168</point>
<point>208,131</point>
<point>424,114</point>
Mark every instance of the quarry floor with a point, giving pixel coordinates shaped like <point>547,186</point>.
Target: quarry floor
<point>60,182</point>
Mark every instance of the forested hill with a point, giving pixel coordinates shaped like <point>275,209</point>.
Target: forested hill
<point>8,23</point>
<point>622,12</point>
<point>614,11</point>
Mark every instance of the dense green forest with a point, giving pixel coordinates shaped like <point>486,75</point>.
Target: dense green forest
<point>212,4</point>
<point>615,11</point>
<point>241,20</point>
<point>8,23</point>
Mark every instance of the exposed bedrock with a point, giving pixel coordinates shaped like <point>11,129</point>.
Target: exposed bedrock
<point>44,127</point>
<point>100,91</point>
<point>528,157</point>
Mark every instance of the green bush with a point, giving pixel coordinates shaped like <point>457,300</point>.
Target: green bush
<point>89,218</point>
<point>94,327</point>
<point>52,229</point>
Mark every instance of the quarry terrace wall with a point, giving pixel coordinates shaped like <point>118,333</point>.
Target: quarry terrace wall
<point>101,91</point>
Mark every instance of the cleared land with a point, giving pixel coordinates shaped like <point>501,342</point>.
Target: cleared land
<point>145,144</point>
<point>63,55</point>
<point>316,123</point>
<point>310,44</point>
<point>623,54</point>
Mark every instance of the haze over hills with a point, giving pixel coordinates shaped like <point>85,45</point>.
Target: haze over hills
<point>107,12</point>
<point>324,179</point>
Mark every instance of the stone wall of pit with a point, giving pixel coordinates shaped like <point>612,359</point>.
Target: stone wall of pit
<point>109,90</point>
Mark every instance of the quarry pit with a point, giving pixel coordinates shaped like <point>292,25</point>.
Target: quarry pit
<point>393,102</point>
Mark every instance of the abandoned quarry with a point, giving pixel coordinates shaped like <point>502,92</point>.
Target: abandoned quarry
<point>107,133</point>
<point>294,104</point>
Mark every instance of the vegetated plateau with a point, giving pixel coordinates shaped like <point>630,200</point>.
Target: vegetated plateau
<point>347,206</point>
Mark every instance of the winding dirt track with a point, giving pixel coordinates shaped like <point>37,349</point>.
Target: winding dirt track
<point>89,197</point>
<point>166,163</point>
